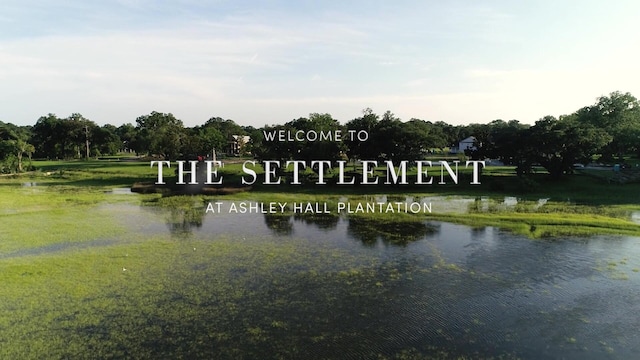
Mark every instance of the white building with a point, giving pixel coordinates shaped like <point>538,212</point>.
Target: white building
<point>466,144</point>
<point>237,144</point>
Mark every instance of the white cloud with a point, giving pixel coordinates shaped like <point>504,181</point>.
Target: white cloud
<point>455,63</point>
<point>194,64</point>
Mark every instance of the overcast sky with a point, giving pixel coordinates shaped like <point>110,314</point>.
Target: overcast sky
<point>266,62</point>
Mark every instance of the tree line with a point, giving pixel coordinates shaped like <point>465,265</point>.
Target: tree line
<point>609,130</point>
<point>76,137</point>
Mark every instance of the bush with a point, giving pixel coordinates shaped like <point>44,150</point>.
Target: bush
<point>9,164</point>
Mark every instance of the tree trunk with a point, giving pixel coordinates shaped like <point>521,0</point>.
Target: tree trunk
<point>19,161</point>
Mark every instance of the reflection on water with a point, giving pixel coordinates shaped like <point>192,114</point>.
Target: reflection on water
<point>370,231</point>
<point>357,288</point>
<point>279,224</point>
<point>120,191</point>
<point>184,221</point>
<point>321,221</point>
<point>182,216</point>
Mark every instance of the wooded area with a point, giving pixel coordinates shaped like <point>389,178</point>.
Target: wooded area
<point>606,131</point>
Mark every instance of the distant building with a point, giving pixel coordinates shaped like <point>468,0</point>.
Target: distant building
<point>466,144</point>
<point>237,143</point>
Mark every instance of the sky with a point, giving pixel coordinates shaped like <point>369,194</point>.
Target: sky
<point>269,62</point>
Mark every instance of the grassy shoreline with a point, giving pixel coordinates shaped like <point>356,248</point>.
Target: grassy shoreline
<point>579,205</point>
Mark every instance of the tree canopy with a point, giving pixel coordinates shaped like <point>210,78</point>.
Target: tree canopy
<point>607,130</point>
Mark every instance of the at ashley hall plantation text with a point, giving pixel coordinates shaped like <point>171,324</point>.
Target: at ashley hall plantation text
<point>251,207</point>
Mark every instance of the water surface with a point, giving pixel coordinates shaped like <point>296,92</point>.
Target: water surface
<point>185,284</point>
<point>427,287</point>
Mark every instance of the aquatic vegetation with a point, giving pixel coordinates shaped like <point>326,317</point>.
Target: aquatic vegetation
<point>398,232</point>
<point>90,273</point>
<point>50,216</point>
<point>198,298</point>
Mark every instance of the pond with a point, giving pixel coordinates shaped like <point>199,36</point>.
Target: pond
<point>183,283</point>
<point>352,288</point>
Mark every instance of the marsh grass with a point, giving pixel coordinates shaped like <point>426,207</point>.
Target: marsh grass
<point>154,296</point>
<point>577,205</point>
<point>38,216</point>
<point>93,173</point>
<point>547,225</point>
<point>161,298</point>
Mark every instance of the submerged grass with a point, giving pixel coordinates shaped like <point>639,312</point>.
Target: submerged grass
<point>159,298</point>
<point>154,297</point>
<point>37,216</point>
